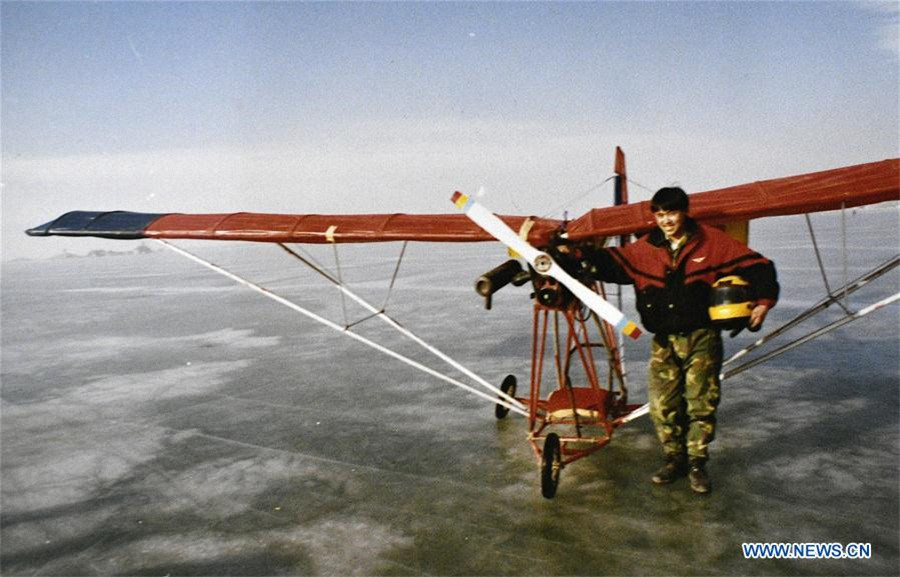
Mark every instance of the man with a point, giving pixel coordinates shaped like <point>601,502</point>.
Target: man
<point>673,269</point>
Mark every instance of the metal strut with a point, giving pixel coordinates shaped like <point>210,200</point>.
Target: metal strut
<point>319,319</point>
<point>848,289</point>
<point>387,297</point>
<point>340,281</point>
<point>615,346</point>
<point>812,235</point>
<point>379,313</point>
<point>827,328</point>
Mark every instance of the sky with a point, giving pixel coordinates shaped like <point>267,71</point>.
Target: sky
<point>298,107</point>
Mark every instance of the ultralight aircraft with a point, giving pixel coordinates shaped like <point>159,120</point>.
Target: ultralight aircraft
<point>572,420</point>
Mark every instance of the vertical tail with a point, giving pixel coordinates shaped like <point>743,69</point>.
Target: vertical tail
<point>621,181</point>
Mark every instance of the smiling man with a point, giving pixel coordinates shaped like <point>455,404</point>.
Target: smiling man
<point>673,269</point>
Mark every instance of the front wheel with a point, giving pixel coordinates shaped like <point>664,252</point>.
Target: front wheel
<point>551,466</point>
<point>509,388</point>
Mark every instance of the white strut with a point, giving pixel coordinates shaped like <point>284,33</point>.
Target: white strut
<point>319,319</point>
<point>409,334</point>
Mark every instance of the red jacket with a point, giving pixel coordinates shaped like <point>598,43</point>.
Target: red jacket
<point>674,297</point>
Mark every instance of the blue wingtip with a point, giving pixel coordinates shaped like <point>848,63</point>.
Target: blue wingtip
<point>116,224</point>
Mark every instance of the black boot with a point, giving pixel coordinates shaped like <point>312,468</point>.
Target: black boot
<point>698,476</point>
<point>675,467</point>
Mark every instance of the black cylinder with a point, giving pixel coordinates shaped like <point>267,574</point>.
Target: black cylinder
<point>497,278</point>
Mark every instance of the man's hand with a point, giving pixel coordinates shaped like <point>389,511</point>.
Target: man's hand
<point>757,316</point>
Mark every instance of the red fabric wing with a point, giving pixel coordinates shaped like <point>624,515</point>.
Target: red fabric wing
<point>828,190</point>
<point>321,228</point>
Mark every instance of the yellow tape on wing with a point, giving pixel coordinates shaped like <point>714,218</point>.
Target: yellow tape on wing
<point>523,234</point>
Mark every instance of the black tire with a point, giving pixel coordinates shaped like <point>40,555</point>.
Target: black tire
<point>551,466</point>
<point>508,387</point>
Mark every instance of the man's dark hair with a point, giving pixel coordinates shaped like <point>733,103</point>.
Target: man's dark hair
<point>669,198</point>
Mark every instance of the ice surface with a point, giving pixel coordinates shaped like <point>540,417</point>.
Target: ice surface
<point>158,420</point>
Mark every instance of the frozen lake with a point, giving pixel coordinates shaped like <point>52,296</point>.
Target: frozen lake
<point>158,419</point>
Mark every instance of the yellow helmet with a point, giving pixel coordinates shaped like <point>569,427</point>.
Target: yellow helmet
<point>731,303</point>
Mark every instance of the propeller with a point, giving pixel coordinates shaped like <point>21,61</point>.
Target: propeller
<point>543,263</point>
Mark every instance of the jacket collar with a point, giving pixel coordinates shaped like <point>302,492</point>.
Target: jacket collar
<point>657,238</point>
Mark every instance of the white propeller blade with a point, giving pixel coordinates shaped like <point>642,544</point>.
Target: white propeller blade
<point>543,263</point>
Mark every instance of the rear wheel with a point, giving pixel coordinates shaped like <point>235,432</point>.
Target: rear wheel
<point>509,388</point>
<point>551,465</point>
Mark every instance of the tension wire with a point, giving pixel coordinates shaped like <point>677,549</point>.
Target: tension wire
<point>577,198</point>
<point>822,265</point>
<point>394,276</point>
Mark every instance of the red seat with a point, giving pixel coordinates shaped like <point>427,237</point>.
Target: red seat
<point>589,403</point>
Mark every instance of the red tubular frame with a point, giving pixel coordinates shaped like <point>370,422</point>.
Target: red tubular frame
<point>595,407</point>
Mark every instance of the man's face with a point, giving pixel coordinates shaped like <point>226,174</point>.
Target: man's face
<point>671,222</point>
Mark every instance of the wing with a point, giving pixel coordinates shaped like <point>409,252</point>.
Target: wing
<point>828,190</point>
<point>288,228</point>
<point>814,192</point>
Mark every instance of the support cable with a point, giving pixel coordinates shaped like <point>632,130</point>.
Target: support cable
<point>850,288</point>
<point>313,316</point>
<point>404,331</point>
<point>645,408</point>
<point>362,320</point>
<point>821,264</point>
<point>844,250</point>
<point>309,257</point>
<point>394,276</point>
<point>638,184</point>
<point>615,344</point>
<point>308,261</point>
<point>826,329</point>
<point>337,264</point>
<point>578,197</point>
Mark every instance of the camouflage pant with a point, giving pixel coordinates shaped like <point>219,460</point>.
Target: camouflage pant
<point>684,390</point>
